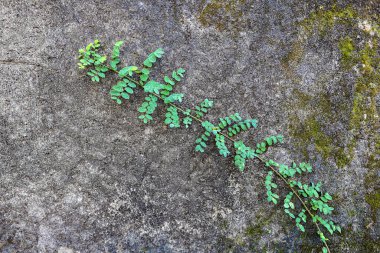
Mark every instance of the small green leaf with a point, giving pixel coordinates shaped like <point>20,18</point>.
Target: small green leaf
<point>121,84</point>
<point>127,70</point>
<point>176,77</point>
<point>168,80</point>
<point>327,196</point>
<point>119,43</point>
<point>144,77</point>
<point>125,95</point>
<point>152,58</point>
<point>117,88</point>
<point>131,84</point>
<point>174,97</point>
<point>159,52</point>
<point>153,86</point>
<point>147,63</point>
<point>199,149</point>
<point>123,72</point>
<point>114,93</point>
<point>168,87</point>
<point>145,71</point>
<point>181,71</point>
<point>165,93</point>
<point>129,90</point>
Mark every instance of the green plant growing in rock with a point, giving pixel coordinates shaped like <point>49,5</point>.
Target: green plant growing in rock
<point>303,201</point>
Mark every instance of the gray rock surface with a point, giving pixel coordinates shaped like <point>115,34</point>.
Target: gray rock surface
<point>79,173</point>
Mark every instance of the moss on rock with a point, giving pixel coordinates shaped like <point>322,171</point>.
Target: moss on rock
<point>311,130</point>
<point>325,19</point>
<point>373,199</point>
<point>292,59</point>
<point>362,113</point>
<point>222,14</point>
<point>372,181</point>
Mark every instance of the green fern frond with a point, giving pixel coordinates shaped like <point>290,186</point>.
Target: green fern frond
<point>229,120</point>
<point>153,87</point>
<point>187,121</point>
<point>309,195</point>
<point>221,145</point>
<point>262,147</point>
<point>203,108</point>
<point>201,142</point>
<point>171,117</point>
<point>144,76</point>
<point>115,57</point>
<point>152,58</point>
<point>242,154</point>
<point>147,108</point>
<point>173,98</point>
<point>288,204</point>
<point>89,57</point>
<point>177,76</point>
<point>241,126</point>
<point>271,197</point>
<point>122,89</point>
<point>129,70</point>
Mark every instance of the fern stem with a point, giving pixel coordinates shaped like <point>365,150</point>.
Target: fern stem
<point>158,96</point>
<point>258,157</point>
<point>298,196</point>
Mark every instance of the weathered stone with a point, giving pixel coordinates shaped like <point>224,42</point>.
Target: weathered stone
<point>79,173</point>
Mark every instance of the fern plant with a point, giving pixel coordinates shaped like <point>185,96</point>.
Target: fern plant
<point>303,201</point>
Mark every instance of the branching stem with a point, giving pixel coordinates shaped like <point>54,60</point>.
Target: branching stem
<point>257,156</point>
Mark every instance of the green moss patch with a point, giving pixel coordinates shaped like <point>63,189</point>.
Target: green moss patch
<point>361,110</point>
<point>222,13</point>
<point>325,19</point>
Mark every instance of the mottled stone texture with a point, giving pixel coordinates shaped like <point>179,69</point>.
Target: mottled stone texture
<point>79,173</point>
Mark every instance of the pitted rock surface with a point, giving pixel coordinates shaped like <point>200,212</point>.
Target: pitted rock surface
<point>79,173</point>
